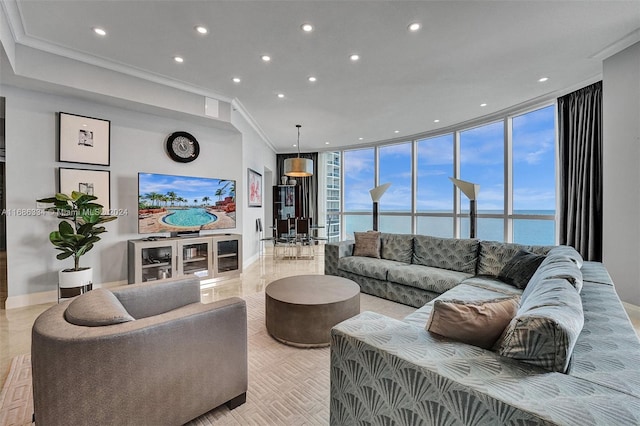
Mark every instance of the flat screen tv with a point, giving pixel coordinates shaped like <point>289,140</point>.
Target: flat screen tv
<point>182,204</point>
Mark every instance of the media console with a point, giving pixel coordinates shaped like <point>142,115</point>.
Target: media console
<point>209,257</point>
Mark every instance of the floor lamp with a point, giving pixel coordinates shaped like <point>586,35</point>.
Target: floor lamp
<point>471,190</point>
<point>376,194</point>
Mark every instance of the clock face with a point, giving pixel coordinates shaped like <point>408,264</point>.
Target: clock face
<point>183,147</point>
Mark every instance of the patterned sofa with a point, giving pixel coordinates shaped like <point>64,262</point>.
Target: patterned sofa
<point>570,356</point>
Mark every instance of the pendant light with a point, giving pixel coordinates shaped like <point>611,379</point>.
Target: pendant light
<point>298,167</point>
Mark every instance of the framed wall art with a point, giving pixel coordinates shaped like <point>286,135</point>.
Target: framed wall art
<point>254,188</point>
<point>92,182</point>
<point>84,139</point>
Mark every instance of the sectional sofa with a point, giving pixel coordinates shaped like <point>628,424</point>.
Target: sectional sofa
<point>569,356</point>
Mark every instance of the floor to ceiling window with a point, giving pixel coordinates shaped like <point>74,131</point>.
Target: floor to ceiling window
<point>394,165</point>
<point>513,159</point>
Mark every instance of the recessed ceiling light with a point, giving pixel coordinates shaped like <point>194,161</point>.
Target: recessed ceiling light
<point>294,145</point>
<point>99,31</point>
<point>396,131</point>
<point>281,95</point>
<point>312,79</point>
<point>178,59</point>
<point>307,28</point>
<point>236,79</point>
<point>436,121</point>
<point>326,143</point>
<point>483,105</point>
<point>360,139</point>
<point>266,58</point>
<point>543,79</point>
<point>201,29</point>
<point>354,57</point>
<point>414,27</point>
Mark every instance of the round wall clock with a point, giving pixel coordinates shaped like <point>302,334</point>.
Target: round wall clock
<point>182,147</point>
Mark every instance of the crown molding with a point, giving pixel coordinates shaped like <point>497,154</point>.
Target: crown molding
<point>17,28</point>
<point>618,46</point>
<point>237,106</point>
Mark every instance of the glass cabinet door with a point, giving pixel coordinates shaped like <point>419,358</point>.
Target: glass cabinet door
<point>227,256</point>
<point>157,263</point>
<point>195,257</point>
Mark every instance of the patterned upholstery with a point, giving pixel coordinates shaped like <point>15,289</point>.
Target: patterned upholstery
<point>424,277</point>
<point>333,252</point>
<point>366,266</point>
<point>608,350</point>
<point>494,255</point>
<point>388,372</point>
<point>446,253</point>
<point>546,327</point>
<point>397,247</point>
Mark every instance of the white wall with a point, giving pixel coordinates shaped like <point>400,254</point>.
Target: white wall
<point>137,145</point>
<point>259,156</point>
<point>621,160</point>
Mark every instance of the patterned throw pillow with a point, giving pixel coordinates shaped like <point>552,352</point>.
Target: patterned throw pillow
<point>519,270</point>
<point>475,323</point>
<point>367,244</point>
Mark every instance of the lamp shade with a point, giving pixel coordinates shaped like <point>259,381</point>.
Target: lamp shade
<point>469,189</point>
<point>298,167</point>
<point>378,191</point>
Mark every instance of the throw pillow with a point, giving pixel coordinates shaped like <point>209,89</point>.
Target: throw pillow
<point>520,268</point>
<point>96,308</point>
<point>475,323</point>
<point>367,244</point>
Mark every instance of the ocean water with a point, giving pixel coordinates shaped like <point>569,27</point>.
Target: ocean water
<point>525,231</point>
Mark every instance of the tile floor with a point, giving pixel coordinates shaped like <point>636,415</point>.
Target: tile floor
<point>15,324</point>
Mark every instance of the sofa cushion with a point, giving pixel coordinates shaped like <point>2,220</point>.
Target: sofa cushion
<point>494,255</point>
<point>546,327</point>
<point>520,268</point>
<point>366,266</point>
<point>569,252</point>
<point>397,247</point>
<point>447,253</point>
<point>493,284</point>
<point>367,244</point>
<point>96,308</point>
<point>424,277</point>
<point>478,323</point>
<point>557,267</point>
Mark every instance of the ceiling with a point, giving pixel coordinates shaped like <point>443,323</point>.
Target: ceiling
<point>467,53</point>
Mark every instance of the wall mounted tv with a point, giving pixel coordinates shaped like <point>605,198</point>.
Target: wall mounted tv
<point>181,204</point>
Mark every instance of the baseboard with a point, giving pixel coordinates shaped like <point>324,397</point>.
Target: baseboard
<point>42,297</point>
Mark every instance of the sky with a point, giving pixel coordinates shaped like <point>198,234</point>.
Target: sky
<point>187,187</point>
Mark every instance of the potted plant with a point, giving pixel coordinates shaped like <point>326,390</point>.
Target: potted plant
<point>80,224</point>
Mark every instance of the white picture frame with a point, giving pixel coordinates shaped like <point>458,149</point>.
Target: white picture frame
<point>83,139</point>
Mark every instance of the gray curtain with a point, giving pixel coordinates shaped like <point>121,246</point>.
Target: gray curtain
<point>580,153</point>
<point>309,184</point>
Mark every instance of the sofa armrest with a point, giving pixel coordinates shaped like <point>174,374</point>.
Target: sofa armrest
<point>164,369</point>
<point>333,252</point>
<point>387,370</point>
<point>152,298</point>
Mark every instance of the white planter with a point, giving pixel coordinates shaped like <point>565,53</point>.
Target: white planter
<point>73,279</point>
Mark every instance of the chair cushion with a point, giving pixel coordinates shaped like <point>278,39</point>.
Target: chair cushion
<point>367,244</point>
<point>520,268</point>
<point>476,323</point>
<point>96,308</point>
<point>494,255</point>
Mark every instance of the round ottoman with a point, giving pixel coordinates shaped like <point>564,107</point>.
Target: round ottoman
<point>301,310</point>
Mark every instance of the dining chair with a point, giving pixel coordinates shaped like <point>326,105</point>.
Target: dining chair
<point>303,234</point>
<point>260,229</point>
<point>285,236</point>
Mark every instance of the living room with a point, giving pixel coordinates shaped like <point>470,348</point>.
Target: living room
<point>39,83</point>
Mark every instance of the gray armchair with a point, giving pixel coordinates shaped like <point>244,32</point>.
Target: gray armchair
<point>142,354</point>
